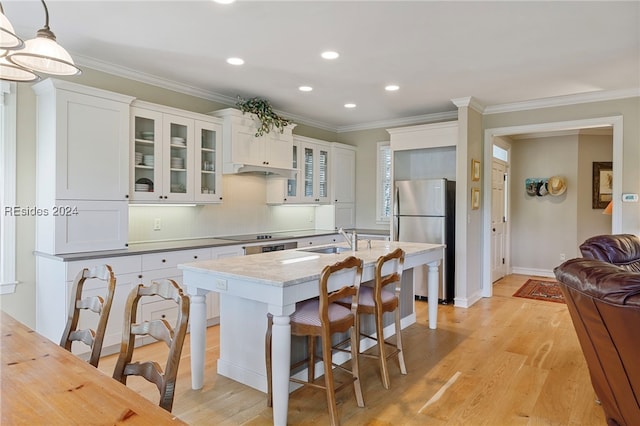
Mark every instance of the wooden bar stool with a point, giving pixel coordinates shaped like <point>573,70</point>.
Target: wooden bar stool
<point>322,317</point>
<point>383,297</point>
<point>96,304</point>
<point>159,329</point>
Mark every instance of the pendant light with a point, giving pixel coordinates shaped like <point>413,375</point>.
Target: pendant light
<point>11,72</point>
<point>8,38</point>
<point>44,54</point>
<point>9,42</point>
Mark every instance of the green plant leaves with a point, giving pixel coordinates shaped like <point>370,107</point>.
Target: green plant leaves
<point>262,109</point>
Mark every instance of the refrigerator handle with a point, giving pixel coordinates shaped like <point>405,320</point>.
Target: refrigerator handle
<point>396,219</point>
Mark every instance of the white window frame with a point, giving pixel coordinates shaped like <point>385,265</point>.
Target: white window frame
<point>8,188</point>
<point>383,182</point>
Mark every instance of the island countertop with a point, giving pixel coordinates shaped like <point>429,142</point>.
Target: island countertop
<point>290,267</point>
<point>273,283</point>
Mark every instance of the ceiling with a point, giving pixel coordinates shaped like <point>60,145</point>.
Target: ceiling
<point>497,52</point>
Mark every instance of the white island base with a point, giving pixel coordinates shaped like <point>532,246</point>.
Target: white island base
<point>251,286</point>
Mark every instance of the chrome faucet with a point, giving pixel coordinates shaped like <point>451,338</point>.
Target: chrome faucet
<point>352,240</point>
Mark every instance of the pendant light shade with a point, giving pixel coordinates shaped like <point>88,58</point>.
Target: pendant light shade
<point>11,72</point>
<point>44,54</point>
<point>8,38</point>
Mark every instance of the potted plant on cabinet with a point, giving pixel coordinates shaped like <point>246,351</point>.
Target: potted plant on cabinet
<point>262,109</point>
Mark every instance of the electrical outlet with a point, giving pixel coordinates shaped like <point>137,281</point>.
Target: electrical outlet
<point>221,284</point>
<point>157,224</point>
<point>563,256</point>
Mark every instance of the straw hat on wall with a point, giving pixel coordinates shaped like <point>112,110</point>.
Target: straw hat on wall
<point>556,185</point>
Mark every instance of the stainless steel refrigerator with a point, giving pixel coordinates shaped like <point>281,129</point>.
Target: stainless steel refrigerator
<point>424,211</point>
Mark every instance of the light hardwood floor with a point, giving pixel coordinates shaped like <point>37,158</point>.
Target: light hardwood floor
<point>503,361</point>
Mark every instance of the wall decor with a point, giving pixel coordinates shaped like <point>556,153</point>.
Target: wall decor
<point>602,184</point>
<point>475,198</point>
<point>269,120</point>
<point>475,170</point>
<point>536,186</point>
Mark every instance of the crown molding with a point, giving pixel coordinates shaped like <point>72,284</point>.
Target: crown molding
<point>579,98</point>
<point>406,121</point>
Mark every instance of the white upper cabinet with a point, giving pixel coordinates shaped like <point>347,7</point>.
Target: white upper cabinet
<point>208,176</point>
<point>82,166</point>
<point>343,173</point>
<point>174,156</point>
<point>243,151</point>
<point>82,142</point>
<point>315,169</point>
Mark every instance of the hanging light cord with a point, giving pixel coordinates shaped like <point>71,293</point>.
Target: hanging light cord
<point>46,32</point>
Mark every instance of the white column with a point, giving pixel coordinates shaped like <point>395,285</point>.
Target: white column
<point>433,279</point>
<point>198,327</point>
<point>281,364</point>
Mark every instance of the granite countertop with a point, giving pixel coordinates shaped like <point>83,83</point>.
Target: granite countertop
<point>194,243</point>
<point>290,267</point>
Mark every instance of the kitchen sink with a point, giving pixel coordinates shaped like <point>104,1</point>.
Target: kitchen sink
<point>327,250</point>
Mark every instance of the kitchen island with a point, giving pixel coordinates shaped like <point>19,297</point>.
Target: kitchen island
<point>252,286</point>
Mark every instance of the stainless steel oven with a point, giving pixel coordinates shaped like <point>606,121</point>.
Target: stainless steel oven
<point>275,246</point>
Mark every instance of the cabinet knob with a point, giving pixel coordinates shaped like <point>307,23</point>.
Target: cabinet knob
<point>165,197</point>
<point>139,276</point>
<point>126,196</point>
<point>163,316</point>
<point>195,257</point>
<point>221,198</point>
<point>164,260</point>
<point>160,197</point>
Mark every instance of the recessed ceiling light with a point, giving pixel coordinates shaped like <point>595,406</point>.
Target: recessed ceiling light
<point>349,105</point>
<point>391,88</point>
<point>305,88</point>
<point>224,1</point>
<point>330,55</point>
<point>235,61</point>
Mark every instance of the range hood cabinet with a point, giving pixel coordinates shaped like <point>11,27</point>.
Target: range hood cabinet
<point>243,152</point>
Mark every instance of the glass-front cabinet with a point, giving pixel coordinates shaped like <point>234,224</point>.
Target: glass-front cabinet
<point>174,158</point>
<point>315,172</point>
<point>208,184</point>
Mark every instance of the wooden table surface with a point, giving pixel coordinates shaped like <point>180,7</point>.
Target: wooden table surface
<point>44,384</point>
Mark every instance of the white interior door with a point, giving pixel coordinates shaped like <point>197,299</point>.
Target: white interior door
<point>498,220</point>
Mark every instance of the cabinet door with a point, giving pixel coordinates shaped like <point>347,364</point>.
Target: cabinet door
<point>146,155</point>
<point>246,148</point>
<point>315,173</point>
<point>343,175</point>
<point>75,226</point>
<point>92,155</point>
<point>208,162</point>
<point>278,147</point>
<point>178,165</point>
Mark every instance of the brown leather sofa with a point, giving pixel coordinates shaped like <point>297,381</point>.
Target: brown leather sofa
<point>604,303</point>
<point>621,249</point>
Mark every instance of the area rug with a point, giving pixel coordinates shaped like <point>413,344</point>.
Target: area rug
<point>541,290</point>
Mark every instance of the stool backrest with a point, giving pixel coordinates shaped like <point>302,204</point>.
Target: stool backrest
<point>160,329</point>
<point>96,304</point>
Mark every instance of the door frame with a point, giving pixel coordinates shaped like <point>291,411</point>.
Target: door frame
<point>507,226</point>
<point>616,220</point>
